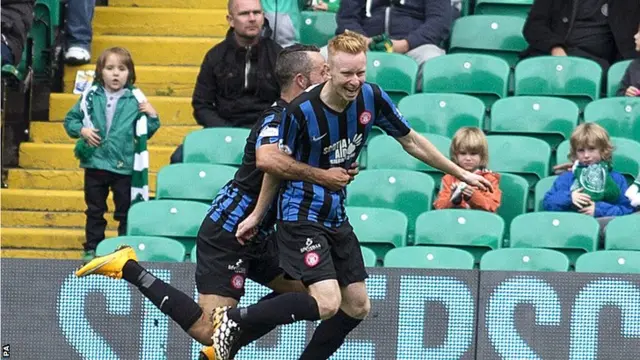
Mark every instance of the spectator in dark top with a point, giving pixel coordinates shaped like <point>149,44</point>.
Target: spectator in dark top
<point>600,30</point>
<point>417,28</point>
<point>630,84</point>
<point>236,80</point>
<point>17,17</point>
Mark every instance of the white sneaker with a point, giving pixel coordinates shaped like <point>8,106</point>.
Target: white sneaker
<point>77,56</point>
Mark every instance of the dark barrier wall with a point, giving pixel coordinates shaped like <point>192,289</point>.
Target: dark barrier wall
<point>47,313</point>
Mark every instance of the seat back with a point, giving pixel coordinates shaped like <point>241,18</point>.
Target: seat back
<point>317,27</point>
<point>524,259</point>
<point>522,155</point>
<point>429,257</point>
<point>483,76</point>
<point>204,181</point>
<point>619,115</point>
<point>610,261</point>
<point>442,114</point>
<point>515,196</point>
<point>147,248</point>
<point>614,76</point>
<point>472,230</point>
<point>368,256</point>
<point>379,229</point>
<point>623,233</point>
<point>396,74</point>
<point>542,187</point>
<point>497,35</point>
<point>222,145</point>
<point>518,8</point>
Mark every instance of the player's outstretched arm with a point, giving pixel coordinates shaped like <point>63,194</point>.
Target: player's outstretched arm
<point>422,149</point>
<point>271,160</point>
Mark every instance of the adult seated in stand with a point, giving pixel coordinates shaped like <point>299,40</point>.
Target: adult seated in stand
<point>600,30</point>
<point>416,28</point>
<point>17,17</point>
<point>231,91</point>
<point>630,84</point>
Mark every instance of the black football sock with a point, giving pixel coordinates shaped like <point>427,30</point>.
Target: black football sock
<point>283,309</point>
<point>329,336</point>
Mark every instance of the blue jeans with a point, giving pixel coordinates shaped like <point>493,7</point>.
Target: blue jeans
<point>79,17</point>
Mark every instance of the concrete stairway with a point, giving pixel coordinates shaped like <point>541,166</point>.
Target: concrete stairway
<point>42,210</point>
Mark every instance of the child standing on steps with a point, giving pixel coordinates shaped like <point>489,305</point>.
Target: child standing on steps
<point>469,150</point>
<point>113,120</point>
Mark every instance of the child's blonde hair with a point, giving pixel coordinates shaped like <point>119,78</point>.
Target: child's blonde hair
<point>126,59</point>
<point>349,42</point>
<point>591,134</point>
<point>472,140</point>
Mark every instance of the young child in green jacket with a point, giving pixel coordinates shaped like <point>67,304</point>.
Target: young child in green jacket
<point>113,120</point>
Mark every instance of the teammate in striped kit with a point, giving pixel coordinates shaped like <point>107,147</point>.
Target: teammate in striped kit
<point>325,128</point>
<point>223,264</point>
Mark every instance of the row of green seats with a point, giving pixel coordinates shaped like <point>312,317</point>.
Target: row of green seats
<point>508,259</point>
<point>551,119</point>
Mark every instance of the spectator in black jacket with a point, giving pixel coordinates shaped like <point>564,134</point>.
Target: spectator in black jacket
<point>417,28</point>
<point>600,30</point>
<point>630,84</point>
<point>237,80</point>
<point>17,17</point>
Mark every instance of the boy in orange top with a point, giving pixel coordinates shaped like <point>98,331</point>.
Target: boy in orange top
<point>469,149</point>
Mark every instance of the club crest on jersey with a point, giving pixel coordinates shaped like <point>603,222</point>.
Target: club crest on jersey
<point>344,149</point>
<point>237,281</point>
<point>365,117</point>
<point>311,259</point>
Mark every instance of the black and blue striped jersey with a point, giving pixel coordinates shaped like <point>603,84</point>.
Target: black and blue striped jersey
<point>237,199</point>
<point>314,134</point>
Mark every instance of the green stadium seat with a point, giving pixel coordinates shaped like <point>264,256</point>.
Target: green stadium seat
<point>194,255</point>
<point>569,232</point>
<point>385,152</point>
<point>317,27</point>
<point>410,192</point>
<point>518,8</point>
<point>442,114</point>
<point>515,196</point>
<point>625,156</point>
<point>542,187</point>
<point>610,261</point>
<point>176,219</point>
<point>521,155</point>
<point>614,76</point>
<point>148,248</point>
<point>524,259</point>
<point>483,76</point>
<point>623,233</point>
<point>396,74</point>
<point>223,146</point>
<point>546,118</point>
<point>573,78</point>
<point>496,35</point>
<point>204,181</point>
<point>45,28</point>
<point>620,116</point>
<point>377,228</point>
<point>368,256</point>
<point>429,257</point>
<point>472,230</point>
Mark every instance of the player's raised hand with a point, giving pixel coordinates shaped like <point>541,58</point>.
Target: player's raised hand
<point>247,229</point>
<point>478,181</point>
<point>336,179</point>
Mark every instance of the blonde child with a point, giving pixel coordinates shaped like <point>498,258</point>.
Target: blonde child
<point>112,120</point>
<point>591,187</point>
<point>469,150</point>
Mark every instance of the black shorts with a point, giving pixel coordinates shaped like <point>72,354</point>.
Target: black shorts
<point>223,264</point>
<point>312,252</point>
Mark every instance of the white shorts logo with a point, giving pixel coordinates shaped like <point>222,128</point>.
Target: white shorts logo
<point>312,259</point>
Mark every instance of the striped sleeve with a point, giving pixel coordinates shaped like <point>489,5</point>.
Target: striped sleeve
<point>289,133</point>
<point>388,117</point>
<point>268,131</point>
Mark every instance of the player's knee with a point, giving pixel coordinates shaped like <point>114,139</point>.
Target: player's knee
<point>202,330</point>
<point>328,304</point>
<point>361,307</point>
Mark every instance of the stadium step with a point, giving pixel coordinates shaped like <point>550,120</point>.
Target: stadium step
<point>52,132</point>
<point>46,238</point>
<point>153,80</point>
<point>49,219</point>
<point>54,179</point>
<point>184,4</point>
<point>112,20</point>
<point>42,254</point>
<point>173,111</point>
<point>60,156</point>
<point>46,200</point>
<point>157,50</point>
